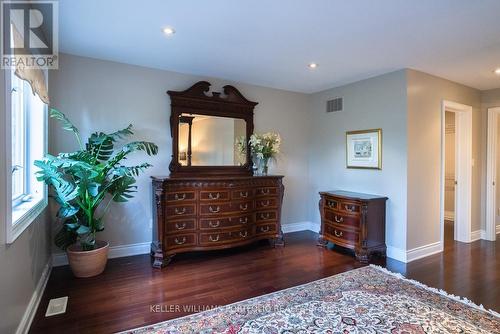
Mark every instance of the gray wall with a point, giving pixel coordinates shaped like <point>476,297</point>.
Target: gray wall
<point>425,96</point>
<point>105,96</point>
<point>23,261</point>
<point>378,102</point>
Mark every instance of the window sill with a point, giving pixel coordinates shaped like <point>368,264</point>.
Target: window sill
<point>23,215</point>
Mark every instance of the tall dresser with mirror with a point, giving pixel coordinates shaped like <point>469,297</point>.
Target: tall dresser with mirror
<point>211,200</point>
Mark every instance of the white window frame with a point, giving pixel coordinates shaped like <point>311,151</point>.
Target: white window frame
<point>14,229</point>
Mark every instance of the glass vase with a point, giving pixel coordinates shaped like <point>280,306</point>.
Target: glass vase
<point>265,166</point>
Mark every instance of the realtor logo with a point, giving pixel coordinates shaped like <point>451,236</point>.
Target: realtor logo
<point>29,34</point>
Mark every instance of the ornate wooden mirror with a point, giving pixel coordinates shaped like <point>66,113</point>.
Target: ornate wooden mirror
<point>210,132</point>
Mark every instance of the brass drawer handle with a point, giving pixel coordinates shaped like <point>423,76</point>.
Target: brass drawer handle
<point>266,203</point>
<point>180,227</point>
<point>212,210</point>
<point>349,208</point>
<point>264,191</point>
<point>180,242</point>
<point>217,196</point>
<point>339,220</point>
<point>180,198</point>
<point>243,235</point>
<point>264,229</point>
<point>214,225</point>
<point>244,221</point>
<point>244,194</point>
<point>211,238</point>
<point>180,212</point>
<point>243,207</point>
<point>266,216</point>
<point>331,204</point>
<point>337,234</point>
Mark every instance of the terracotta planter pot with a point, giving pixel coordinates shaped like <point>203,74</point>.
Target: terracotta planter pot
<point>88,263</point>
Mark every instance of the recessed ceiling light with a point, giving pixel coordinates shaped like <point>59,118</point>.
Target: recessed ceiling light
<point>497,71</point>
<point>169,31</point>
<point>312,65</point>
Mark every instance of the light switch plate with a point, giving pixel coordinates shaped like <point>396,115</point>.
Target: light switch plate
<point>57,306</point>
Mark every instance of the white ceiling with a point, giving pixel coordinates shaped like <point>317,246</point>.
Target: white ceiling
<point>270,42</point>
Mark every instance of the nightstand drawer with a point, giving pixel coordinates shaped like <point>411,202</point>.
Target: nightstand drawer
<point>342,219</point>
<point>341,236</point>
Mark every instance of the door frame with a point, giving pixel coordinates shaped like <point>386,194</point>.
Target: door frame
<point>491,173</point>
<point>463,169</point>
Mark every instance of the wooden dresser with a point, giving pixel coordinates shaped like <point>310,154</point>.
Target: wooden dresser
<point>353,220</point>
<point>206,213</point>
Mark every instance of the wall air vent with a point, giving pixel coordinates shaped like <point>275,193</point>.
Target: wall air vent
<point>335,105</point>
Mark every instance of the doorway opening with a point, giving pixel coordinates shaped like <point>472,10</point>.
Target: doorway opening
<point>456,171</point>
<point>492,173</point>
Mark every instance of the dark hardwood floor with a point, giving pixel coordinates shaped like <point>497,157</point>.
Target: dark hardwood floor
<point>124,295</point>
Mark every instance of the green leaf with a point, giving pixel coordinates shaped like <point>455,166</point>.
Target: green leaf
<point>65,238</point>
<point>122,189</point>
<point>120,134</point>
<point>66,211</point>
<point>65,122</point>
<point>132,170</point>
<point>83,230</point>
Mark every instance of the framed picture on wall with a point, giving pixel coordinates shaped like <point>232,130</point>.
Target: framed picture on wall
<point>364,149</point>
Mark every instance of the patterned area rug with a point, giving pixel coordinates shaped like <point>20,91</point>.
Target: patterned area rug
<point>365,300</point>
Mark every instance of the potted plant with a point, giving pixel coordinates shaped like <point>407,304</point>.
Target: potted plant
<point>84,184</point>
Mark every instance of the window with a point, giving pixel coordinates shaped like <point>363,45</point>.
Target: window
<point>27,116</point>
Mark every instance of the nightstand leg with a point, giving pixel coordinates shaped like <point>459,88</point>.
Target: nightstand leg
<point>322,242</point>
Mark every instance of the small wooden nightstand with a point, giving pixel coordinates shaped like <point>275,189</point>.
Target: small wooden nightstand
<point>353,220</point>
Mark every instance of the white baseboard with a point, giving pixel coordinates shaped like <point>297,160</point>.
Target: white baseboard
<point>477,235</point>
<point>36,297</point>
<point>396,253</point>
<point>300,226</point>
<point>449,215</point>
<point>60,259</point>
<point>415,253</point>
<point>424,251</point>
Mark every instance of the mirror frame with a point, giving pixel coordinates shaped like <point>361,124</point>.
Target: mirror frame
<point>195,100</point>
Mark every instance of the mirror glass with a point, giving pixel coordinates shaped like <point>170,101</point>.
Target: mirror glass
<point>211,141</point>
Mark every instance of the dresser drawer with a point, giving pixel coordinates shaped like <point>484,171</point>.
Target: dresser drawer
<point>266,203</point>
<point>181,240</point>
<point>341,236</point>
<point>242,194</point>
<point>181,210</point>
<point>332,203</point>
<point>266,191</point>
<point>342,219</point>
<point>217,238</point>
<point>266,228</point>
<point>182,225</point>
<point>350,207</point>
<point>222,195</point>
<point>263,216</point>
<point>218,223</point>
<point>181,196</point>
<point>223,208</point>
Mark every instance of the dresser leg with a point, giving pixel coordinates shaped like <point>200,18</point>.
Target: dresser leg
<point>158,259</point>
<point>279,240</point>
<point>362,255</point>
<point>322,242</point>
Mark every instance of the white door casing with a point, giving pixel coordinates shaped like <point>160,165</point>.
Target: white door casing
<point>463,170</point>
<point>491,173</point>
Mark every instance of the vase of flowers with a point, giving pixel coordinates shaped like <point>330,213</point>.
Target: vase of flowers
<point>265,147</point>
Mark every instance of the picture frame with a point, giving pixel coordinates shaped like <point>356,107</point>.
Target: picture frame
<point>364,149</point>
